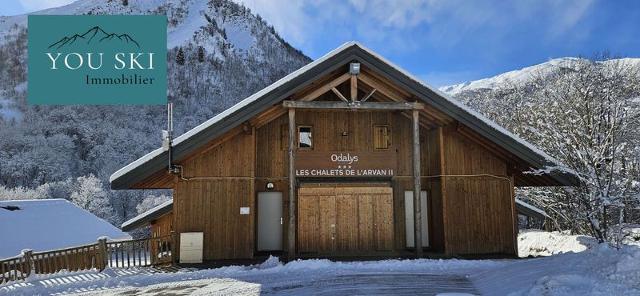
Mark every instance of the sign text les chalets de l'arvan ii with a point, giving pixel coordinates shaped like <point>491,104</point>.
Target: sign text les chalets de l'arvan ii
<point>97,59</point>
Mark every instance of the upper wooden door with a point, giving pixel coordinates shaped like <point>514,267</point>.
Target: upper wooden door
<point>335,219</point>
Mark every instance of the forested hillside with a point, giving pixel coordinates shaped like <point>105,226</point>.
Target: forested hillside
<point>218,54</point>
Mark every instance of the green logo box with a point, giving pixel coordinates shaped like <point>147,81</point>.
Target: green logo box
<point>97,59</point>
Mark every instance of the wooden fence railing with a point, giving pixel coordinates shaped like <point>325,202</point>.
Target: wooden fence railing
<point>115,254</point>
<point>140,252</point>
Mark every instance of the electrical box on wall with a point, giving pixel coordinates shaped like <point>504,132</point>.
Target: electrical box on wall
<point>191,246</point>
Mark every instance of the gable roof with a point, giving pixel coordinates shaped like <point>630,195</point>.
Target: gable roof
<point>288,85</point>
<point>148,216</point>
<point>49,224</point>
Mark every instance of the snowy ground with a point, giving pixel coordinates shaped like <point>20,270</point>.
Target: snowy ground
<point>594,270</point>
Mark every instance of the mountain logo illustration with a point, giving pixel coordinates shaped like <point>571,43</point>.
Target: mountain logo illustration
<point>93,36</point>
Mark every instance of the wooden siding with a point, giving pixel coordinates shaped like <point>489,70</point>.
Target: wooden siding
<point>231,158</point>
<point>328,127</point>
<point>466,215</point>
<point>162,226</point>
<point>478,211</point>
<point>213,207</point>
<point>210,203</point>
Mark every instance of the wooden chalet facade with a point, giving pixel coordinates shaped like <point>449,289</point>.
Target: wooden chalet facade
<point>331,159</point>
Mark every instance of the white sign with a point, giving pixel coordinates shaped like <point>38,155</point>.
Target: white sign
<point>245,210</point>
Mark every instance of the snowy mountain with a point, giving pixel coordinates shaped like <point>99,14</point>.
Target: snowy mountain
<point>218,54</point>
<point>521,76</point>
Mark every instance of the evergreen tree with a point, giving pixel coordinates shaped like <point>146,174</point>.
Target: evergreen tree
<point>180,57</point>
<point>201,54</point>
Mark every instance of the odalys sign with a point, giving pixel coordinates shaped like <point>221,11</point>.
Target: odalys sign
<point>344,164</point>
<point>97,59</point>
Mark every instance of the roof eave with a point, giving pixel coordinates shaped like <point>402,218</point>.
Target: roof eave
<point>147,217</point>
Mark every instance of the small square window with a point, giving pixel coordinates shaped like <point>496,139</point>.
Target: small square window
<point>381,137</point>
<point>305,137</point>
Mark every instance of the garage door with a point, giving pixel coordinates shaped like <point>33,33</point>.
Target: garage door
<point>336,219</point>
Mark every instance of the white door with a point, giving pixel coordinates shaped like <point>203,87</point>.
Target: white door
<point>408,218</point>
<point>270,221</point>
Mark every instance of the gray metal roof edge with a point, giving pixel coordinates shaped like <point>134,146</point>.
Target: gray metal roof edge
<point>148,216</point>
<point>332,61</point>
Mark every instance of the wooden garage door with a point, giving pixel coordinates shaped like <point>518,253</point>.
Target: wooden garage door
<point>335,219</point>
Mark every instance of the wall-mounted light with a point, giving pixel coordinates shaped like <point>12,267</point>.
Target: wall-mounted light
<point>354,68</point>
<point>270,186</point>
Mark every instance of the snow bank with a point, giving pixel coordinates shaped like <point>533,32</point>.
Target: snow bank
<point>601,270</point>
<point>628,234</point>
<point>540,243</point>
<point>585,268</point>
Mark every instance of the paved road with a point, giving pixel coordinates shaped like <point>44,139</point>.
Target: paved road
<point>350,284</point>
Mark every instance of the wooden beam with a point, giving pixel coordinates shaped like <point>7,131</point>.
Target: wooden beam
<point>373,91</point>
<point>417,188</point>
<point>291,251</point>
<point>377,76</point>
<point>423,124</point>
<point>252,173</point>
<point>325,88</point>
<point>337,92</point>
<point>267,116</point>
<point>353,106</point>
<point>381,87</point>
<point>354,88</point>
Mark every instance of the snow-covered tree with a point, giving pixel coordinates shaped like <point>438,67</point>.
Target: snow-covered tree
<point>151,201</point>
<point>90,195</point>
<point>586,114</point>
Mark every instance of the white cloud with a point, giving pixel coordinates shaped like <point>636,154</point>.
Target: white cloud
<point>35,5</point>
<point>396,14</point>
<point>569,15</point>
<point>410,24</point>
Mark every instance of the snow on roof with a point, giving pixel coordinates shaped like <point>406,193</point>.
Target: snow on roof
<point>143,218</point>
<point>142,160</point>
<point>555,164</point>
<point>49,224</point>
<point>530,207</point>
<point>559,166</point>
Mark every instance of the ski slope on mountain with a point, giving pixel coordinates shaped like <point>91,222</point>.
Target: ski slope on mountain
<point>521,76</point>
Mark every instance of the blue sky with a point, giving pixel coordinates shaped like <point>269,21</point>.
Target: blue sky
<point>447,41</point>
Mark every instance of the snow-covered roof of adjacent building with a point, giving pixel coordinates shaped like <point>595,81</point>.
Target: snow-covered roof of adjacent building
<point>182,146</point>
<point>49,224</point>
<point>529,210</point>
<point>148,216</point>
